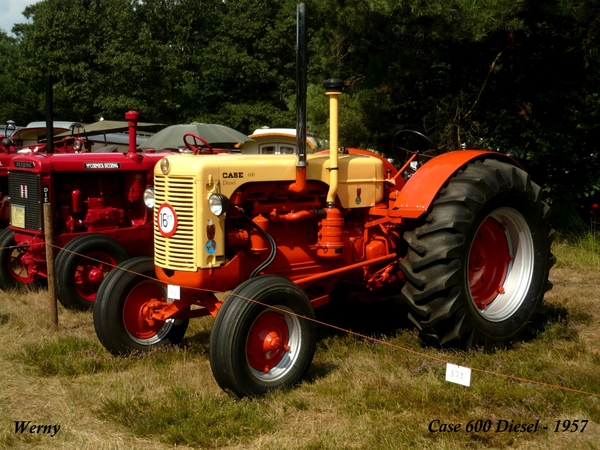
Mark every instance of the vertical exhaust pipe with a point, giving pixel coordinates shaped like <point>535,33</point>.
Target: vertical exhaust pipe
<point>299,186</point>
<point>49,116</point>
<point>132,118</point>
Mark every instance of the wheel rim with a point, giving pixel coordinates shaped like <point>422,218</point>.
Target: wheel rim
<point>90,272</point>
<point>17,269</point>
<point>138,328</point>
<point>500,265</point>
<point>273,343</point>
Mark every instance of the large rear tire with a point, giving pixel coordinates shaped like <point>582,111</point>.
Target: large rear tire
<point>118,310</point>
<point>82,265</point>
<point>260,340</point>
<point>477,270</point>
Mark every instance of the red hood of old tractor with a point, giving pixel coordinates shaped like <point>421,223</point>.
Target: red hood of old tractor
<point>85,162</point>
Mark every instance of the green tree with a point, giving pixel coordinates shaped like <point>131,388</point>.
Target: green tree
<point>247,72</point>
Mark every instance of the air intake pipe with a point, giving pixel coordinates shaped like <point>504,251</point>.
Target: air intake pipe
<point>333,89</point>
<point>330,236</point>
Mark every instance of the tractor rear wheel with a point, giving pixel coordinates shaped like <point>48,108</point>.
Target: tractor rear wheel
<point>260,340</point>
<point>477,269</point>
<point>12,270</point>
<point>119,318</point>
<point>82,265</point>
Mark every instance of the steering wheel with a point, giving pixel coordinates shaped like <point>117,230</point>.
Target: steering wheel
<point>79,127</point>
<point>79,144</point>
<point>430,152</point>
<point>420,145</point>
<point>10,125</point>
<point>194,147</point>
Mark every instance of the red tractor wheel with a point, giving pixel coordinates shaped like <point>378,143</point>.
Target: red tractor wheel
<point>12,269</point>
<point>82,265</point>
<point>119,309</point>
<point>260,340</point>
<point>477,269</point>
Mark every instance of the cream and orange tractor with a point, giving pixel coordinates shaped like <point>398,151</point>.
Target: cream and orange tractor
<point>464,243</point>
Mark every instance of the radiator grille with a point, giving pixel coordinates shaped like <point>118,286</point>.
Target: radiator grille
<point>25,189</point>
<point>177,252</point>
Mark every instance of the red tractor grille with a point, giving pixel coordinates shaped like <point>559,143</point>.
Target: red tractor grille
<point>178,251</point>
<point>25,191</point>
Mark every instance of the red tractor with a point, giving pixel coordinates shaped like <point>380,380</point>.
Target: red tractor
<point>464,243</point>
<point>99,215</point>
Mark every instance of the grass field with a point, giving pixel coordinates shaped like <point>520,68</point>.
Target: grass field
<point>359,393</point>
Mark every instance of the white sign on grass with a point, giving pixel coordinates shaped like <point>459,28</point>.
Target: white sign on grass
<point>458,374</point>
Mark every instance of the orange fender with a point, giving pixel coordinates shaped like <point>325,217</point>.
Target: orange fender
<point>420,190</point>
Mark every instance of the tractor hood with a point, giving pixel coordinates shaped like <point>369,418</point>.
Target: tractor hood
<point>361,176</point>
<point>83,162</point>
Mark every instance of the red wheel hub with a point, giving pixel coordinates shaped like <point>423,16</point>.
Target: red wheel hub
<point>20,266</point>
<point>138,307</point>
<point>488,263</point>
<point>90,272</point>
<point>267,341</point>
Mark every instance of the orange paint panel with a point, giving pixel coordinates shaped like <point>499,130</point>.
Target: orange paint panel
<point>213,280</point>
<point>421,189</point>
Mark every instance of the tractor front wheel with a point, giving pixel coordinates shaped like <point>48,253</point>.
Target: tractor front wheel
<point>119,310</point>
<point>12,269</point>
<point>263,338</point>
<point>82,265</point>
<point>477,269</point>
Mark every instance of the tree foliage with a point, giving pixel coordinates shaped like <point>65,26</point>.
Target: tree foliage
<point>518,75</point>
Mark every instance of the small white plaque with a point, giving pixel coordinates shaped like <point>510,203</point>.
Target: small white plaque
<point>458,374</point>
<point>173,292</point>
<point>17,216</point>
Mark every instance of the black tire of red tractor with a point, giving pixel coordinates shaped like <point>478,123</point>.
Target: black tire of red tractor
<point>7,239</point>
<point>439,261</point>
<point>109,309</point>
<point>70,257</point>
<point>275,300</point>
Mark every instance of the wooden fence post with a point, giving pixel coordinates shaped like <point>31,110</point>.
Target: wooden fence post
<point>49,235</point>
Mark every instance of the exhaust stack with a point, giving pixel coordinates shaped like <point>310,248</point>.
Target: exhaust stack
<point>299,186</point>
<point>132,118</point>
<point>49,116</point>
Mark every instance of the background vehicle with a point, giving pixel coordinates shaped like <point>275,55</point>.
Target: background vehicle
<point>275,141</point>
<point>465,243</point>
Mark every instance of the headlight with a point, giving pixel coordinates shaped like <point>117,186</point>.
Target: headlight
<point>149,197</point>
<point>218,204</point>
<point>165,166</point>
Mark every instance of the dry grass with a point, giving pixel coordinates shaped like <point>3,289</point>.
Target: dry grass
<point>358,394</point>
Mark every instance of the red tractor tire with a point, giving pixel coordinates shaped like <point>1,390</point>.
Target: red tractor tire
<point>82,265</point>
<point>12,272</point>
<point>477,269</point>
<point>118,306</point>
<point>260,340</point>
